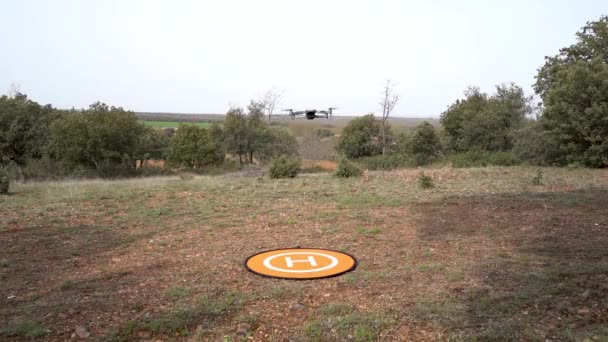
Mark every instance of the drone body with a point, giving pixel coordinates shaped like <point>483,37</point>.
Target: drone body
<point>311,114</point>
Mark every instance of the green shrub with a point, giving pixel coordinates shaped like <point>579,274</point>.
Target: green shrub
<point>348,169</point>
<point>386,162</point>
<point>285,167</point>
<point>4,181</point>
<point>425,181</point>
<point>538,179</point>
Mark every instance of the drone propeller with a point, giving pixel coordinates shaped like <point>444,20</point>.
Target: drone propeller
<point>331,110</point>
<point>292,114</point>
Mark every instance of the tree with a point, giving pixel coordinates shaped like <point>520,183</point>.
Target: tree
<point>235,129</point>
<point>256,130</point>
<point>153,144</point>
<point>483,122</point>
<point>24,132</point>
<point>576,113</point>
<point>192,147</point>
<point>361,137</point>
<point>535,145</point>
<point>592,43</point>
<point>574,88</point>
<point>388,102</point>
<point>218,136</point>
<point>279,143</point>
<point>101,137</point>
<point>424,144</point>
<point>270,100</point>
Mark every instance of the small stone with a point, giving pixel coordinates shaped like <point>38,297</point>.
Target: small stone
<point>585,294</point>
<point>243,329</point>
<point>82,332</point>
<point>582,311</point>
<point>144,334</point>
<point>297,306</point>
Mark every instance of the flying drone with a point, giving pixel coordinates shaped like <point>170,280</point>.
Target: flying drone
<point>311,114</point>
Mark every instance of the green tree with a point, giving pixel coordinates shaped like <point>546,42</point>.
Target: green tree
<point>483,122</point>
<point>361,137</point>
<point>279,143</point>
<point>591,43</point>
<point>257,135</point>
<point>192,147</point>
<point>424,144</point>
<point>235,130</point>
<point>576,113</point>
<point>100,137</point>
<point>534,145</point>
<point>218,136</point>
<point>24,132</point>
<point>574,88</point>
<point>153,144</point>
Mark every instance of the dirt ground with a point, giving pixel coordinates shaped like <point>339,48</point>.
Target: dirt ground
<point>483,255</point>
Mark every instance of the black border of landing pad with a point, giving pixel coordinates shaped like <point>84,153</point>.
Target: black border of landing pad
<point>302,279</point>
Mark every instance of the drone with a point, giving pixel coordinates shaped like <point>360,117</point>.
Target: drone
<point>311,114</point>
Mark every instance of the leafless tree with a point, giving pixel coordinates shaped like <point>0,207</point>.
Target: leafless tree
<point>14,89</point>
<point>388,102</point>
<point>271,100</point>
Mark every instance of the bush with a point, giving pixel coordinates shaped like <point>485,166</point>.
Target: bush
<point>386,162</point>
<point>538,179</point>
<point>425,181</point>
<point>4,181</point>
<point>424,144</point>
<point>361,137</point>
<point>348,169</point>
<point>285,167</point>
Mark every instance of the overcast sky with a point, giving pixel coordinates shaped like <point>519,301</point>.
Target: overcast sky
<point>203,56</point>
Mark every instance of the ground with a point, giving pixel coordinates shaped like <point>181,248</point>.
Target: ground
<point>486,254</point>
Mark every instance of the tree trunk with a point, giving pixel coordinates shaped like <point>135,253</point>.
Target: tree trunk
<point>383,137</point>
<point>251,157</point>
<point>20,176</point>
<point>241,159</point>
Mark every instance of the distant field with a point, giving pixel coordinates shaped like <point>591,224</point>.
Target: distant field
<point>164,124</point>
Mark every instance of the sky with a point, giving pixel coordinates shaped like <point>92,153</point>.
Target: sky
<point>204,56</point>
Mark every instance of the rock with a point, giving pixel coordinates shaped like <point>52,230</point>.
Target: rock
<point>243,329</point>
<point>144,334</point>
<point>582,311</point>
<point>62,315</point>
<point>297,306</point>
<point>82,332</point>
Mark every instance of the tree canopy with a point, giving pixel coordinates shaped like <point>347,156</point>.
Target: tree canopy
<point>98,137</point>
<point>485,122</point>
<point>574,89</point>
<point>361,137</point>
<point>23,129</point>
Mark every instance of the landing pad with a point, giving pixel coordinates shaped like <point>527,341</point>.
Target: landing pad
<point>300,263</point>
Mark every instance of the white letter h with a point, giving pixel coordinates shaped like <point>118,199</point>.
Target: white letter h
<point>311,260</point>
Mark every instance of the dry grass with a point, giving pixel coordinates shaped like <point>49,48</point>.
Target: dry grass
<point>484,255</point>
